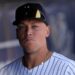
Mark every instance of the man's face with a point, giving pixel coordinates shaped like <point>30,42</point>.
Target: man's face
<point>32,35</point>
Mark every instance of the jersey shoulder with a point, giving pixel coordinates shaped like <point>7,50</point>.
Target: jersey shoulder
<point>11,66</point>
<point>64,59</point>
<point>70,64</point>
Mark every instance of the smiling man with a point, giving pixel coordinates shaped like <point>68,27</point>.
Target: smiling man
<point>32,32</point>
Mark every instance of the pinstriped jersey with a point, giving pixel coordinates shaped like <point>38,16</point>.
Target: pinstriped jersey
<point>57,64</point>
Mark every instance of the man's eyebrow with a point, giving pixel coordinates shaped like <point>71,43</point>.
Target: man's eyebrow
<point>35,22</point>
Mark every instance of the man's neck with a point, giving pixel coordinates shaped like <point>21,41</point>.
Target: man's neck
<point>32,60</point>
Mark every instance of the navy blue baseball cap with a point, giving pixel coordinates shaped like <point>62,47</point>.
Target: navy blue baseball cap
<point>30,11</point>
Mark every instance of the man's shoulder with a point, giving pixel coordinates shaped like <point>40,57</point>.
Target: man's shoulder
<point>64,59</point>
<point>11,65</point>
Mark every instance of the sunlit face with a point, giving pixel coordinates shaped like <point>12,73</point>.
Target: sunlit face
<point>32,35</point>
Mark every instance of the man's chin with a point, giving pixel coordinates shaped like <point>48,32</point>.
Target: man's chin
<point>30,51</point>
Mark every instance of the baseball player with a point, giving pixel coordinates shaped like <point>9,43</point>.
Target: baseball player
<point>32,32</point>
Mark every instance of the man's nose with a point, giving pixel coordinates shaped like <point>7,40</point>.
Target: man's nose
<point>29,31</point>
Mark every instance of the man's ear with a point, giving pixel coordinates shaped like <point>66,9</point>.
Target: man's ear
<point>48,31</point>
<point>17,33</point>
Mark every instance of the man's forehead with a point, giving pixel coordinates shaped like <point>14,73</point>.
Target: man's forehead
<point>31,21</point>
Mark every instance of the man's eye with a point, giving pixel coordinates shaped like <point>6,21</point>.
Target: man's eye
<point>20,26</point>
<point>34,26</point>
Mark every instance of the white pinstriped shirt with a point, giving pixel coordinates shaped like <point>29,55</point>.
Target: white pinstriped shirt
<point>56,65</point>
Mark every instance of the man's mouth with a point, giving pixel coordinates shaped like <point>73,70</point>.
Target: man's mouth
<point>29,39</point>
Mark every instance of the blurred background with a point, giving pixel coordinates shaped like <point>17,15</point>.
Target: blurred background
<point>61,15</point>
